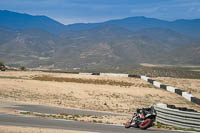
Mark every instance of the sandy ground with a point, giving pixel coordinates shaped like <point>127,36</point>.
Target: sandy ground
<point>19,86</point>
<point>196,70</point>
<point>13,129</point>
<point>187,85</point>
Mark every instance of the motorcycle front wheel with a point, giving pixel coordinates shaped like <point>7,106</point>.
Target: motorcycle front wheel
<point>127,124</point>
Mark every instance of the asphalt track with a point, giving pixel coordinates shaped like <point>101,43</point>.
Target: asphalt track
<point>19,120</point>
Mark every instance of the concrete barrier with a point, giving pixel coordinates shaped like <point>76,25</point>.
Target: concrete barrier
<point>171,89</point>
<point>114,74</point>
<point>85,73</point>
<point>187,96</point>
<point>157,84</point>
<point>144,78</point>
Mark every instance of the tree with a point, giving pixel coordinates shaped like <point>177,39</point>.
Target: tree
<point>2,66</point>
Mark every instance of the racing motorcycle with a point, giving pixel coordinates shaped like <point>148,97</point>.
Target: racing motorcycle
<point>143,118</point>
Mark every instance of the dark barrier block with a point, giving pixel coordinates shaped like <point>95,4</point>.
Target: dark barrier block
<point>178,91</point>
<point>95,73</point>
<point>163,86</point>
<point>73,72</point>
<point>195,100</point>
<point>180,108</point>
<point>150,81</point>
<point>171,106</point>
<point>51,71</point>
<point>134,76</point>
<point>183,109</point>
<point>191,110</point>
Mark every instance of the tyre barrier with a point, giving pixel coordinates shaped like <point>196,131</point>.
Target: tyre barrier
<point>174,116</point>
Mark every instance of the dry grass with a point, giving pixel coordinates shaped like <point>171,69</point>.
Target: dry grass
<point>13,129</point>
<point>187,85</point>
<point>84,81</point>
<point>120,120</point>
<point>92,96</point>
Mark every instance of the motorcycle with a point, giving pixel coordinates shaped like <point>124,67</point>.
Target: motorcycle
<point>143,118</point>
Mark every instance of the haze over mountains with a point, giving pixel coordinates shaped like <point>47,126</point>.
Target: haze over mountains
<point>39,41</point>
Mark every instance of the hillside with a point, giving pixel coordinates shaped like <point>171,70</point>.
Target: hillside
<point>38,41</point>
<point>19,21</point>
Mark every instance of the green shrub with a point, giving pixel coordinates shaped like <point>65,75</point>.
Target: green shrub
<point>1,63</point>
<point>22,68</point>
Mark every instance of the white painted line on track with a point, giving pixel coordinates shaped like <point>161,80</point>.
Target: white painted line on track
<point>117,125</point>
<point>61,120</point>
<point>183,131</point>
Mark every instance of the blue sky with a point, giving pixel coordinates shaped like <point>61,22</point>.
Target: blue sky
<point>75,11</point>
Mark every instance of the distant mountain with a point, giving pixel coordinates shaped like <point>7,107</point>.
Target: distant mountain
<point>19,21</point>
<point>38,41</point>
<point>188,27</point>
<point>131,23</point>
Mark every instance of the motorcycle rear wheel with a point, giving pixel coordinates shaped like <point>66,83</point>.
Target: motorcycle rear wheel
<point>146,124</point>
